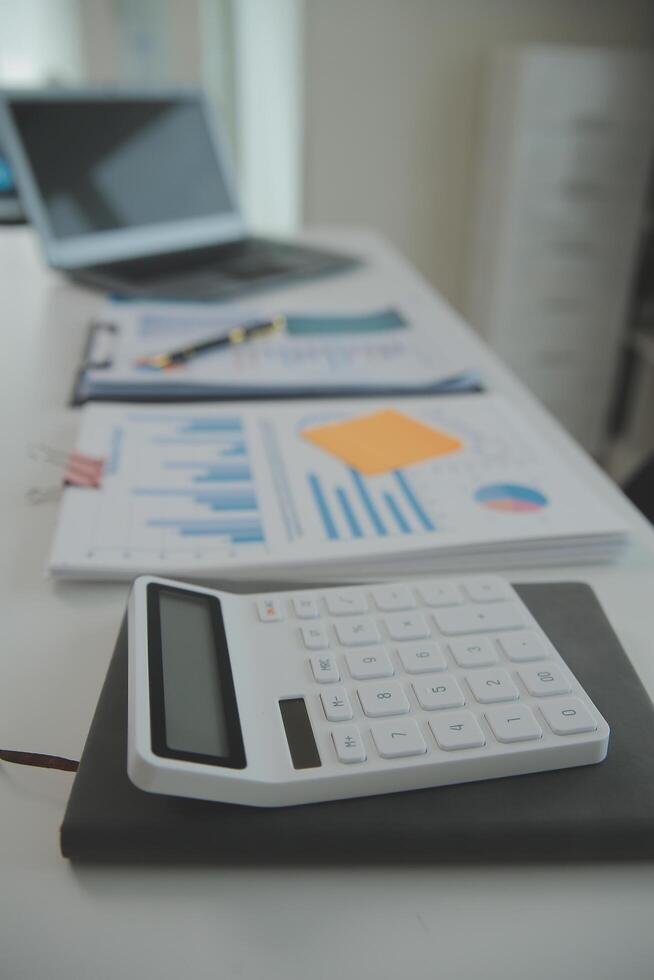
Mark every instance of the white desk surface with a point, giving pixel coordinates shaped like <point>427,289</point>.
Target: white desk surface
<point>59,921</point>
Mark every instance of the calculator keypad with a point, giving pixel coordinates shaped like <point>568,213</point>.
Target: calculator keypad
<point>441,692</point>
<point>349,744</point>
<point>379,700</point>
<point>544,680</point>
<point>479,619</point>
<point>398,738</point>
<point>513,724</point>
<point>457,730</point>
<point>405,671</point>
<point>358,631</point>
<point>489,686</point>
<point>325,670</point>
<point>336,704</point>
<point>306,607</point>
<point>407,626</point>
<point>369,663</point>
<point>422,658</point>
<point>476,651</point>
<point>315,637</point>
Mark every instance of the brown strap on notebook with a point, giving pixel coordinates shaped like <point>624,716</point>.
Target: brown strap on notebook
<point>38,759</point>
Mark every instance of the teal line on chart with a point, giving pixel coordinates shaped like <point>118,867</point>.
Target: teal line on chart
<point>397,514</point>
<point>413,501</point>
<point>323,508</point>
<point>350,516</point>
<point>367,502</point>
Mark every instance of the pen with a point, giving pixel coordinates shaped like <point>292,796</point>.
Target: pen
<point>237,335</point>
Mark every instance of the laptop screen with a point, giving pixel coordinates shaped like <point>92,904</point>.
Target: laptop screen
<point>112,164</point>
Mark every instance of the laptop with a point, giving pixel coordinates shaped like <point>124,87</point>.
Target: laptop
<point>133,193</point>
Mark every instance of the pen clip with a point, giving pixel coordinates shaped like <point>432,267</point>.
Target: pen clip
<point>101,345</point>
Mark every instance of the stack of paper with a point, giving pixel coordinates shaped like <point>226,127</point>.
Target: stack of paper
<point>324,491</point>
<point>372,352</point>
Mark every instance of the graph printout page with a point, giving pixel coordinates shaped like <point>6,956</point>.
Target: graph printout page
<point>243,488</point>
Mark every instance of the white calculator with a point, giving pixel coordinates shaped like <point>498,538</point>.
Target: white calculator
<point>324,694</point>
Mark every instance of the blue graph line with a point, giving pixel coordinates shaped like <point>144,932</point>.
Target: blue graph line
<point>240,538</point>
<point>224,473</point>
<point>321,503</point>
<point>366,500</point>
<point>212,425</point>
<point>243,526</point>
<point>350,516</point>
<point>217,500</point>
<point>413,501</point>
<point>400,519</point>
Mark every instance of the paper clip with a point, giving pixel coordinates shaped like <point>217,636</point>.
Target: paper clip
<point>80,469</point>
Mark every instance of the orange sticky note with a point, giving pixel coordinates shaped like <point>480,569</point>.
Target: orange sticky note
<point>382,441</point>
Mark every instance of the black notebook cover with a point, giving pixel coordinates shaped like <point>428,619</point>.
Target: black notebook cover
<point>604,811</point>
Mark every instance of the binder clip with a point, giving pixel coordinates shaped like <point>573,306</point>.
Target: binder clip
<point>79,470</point>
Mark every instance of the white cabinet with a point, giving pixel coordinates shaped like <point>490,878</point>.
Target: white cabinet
<point>563,166</point>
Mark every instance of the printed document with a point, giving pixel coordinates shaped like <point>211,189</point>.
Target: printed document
<point>245,491</point>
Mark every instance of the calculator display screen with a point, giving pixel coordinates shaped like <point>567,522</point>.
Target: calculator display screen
<point>194,715</point>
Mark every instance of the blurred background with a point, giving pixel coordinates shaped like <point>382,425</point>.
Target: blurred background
<point>504,146</point>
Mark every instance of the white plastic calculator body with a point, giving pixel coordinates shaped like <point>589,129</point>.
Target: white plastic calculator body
<point>324,694</point>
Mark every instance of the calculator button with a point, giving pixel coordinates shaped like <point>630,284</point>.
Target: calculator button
<point>514,723</point>
<point>422,658</point>
<point>542,681</point>
<point>336,705</point>
<point>522,646</point>
<point>492,685</point>
<point>378,700</point>
<point>270,610</point>
<point>345,603</point>
<point>324,669</point>
<point>390,597</point>
<point>487,589</point>
<point>457,730</point>
<point>472,651</point>
<point>407,626</point>
<point>315,637</point>
<point>366,664</point>
<point>306,607</point>
<point>568,716</point>
<point>442,692</point>
<point>349,744</point>
<point>472,619</point>
<point>440,594</point>
<point>357,631</point>
<point>394,739</point>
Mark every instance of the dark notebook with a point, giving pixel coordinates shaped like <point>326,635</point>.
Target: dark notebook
<point>604,811</point>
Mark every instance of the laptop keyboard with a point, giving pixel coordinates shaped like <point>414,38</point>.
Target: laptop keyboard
<point>214,271</point>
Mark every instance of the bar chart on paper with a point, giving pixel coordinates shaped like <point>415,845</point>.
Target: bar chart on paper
<point>191,487</point>
<point>240,491</point>
<point>358,507</point>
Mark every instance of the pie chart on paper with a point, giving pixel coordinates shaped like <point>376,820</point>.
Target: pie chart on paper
<point>512,497</point>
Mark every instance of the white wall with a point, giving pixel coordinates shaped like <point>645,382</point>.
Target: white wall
<point>392,109</point>
<point>40,42</point>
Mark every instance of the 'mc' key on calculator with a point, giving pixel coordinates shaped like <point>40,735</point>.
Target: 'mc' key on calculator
<point>324,694</point>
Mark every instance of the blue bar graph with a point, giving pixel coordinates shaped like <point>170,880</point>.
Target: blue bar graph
<point>367,502</point>
<point>239,537</point>
<point>238,531</point>
<point>400,519</point>
<point>224,472</point>
<point>321,502</point>
<point>214,472</point>
<point>348,513</point>
<point>413,501</point>
<point>212,425</point>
